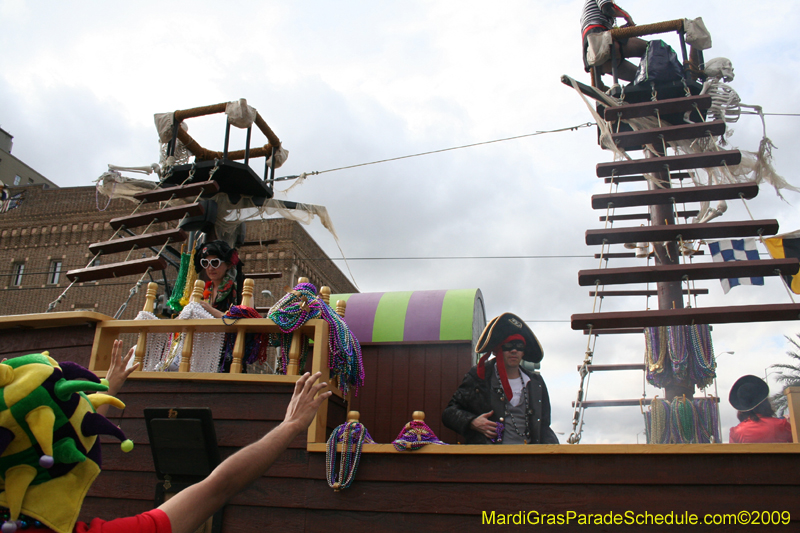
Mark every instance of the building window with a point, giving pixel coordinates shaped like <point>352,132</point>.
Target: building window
<point>54,274</point>
<point>16,276</point>
<point>17,179</point>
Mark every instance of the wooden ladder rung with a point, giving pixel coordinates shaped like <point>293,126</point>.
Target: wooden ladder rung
<point>676,317</point>
<point>264,243</point>
<point>710,230</point>
<point>159,215</point>
<point>603,294</point>
<point>614,331</point>
<point>614,403</point>
<point>264,275</point>
<point>630,139</point>
<point>639,177</point>
<point>606,368</point>
<point>664,107</point>
<point>705,193</point>
<point>646,216</point>
<point>139,241</point>
<point>697,271</point>
<point>117,270</point>
<point>669,163</point>
<point>181,191</point>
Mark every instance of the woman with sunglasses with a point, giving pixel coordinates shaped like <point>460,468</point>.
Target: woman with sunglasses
<point>223,270</point>
<point>499,401</point>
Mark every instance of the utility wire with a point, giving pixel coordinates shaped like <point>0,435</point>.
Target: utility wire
<point>452,257</point>
<point>559,130</point>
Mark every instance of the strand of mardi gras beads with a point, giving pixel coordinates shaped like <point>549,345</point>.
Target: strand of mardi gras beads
<point>704,366</point>
<point>658,374</point>
<point>679,352</point>
<point>659,421</point>
<point>344,351</point>
<point>683,420</point>
<point>352,436</point>
<point>414,436</point>
<point>707,420</point>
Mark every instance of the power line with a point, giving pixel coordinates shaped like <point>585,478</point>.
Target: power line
<point>782,114</point>
<point>559,130</point>
<point>452,257</point>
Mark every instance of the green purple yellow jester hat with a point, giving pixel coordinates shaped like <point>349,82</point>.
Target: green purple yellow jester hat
<point>49,450</point>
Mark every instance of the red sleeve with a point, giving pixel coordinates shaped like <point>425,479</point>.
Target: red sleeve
<point>155,521</point>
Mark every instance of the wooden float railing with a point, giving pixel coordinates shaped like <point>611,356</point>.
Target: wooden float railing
<point>318,330</point>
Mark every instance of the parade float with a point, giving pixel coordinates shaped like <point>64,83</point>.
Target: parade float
<point>394,357</point>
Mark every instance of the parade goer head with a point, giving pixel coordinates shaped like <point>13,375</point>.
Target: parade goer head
<point>507,330</point>
<point>215,254</point>
<point>49,450</point>
<point>749,396</point>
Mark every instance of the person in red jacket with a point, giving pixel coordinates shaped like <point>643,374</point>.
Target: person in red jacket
<point>757,420</point>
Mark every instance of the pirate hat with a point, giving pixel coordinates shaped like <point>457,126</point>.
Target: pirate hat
<point>748,392</point>
<point>503,326</point>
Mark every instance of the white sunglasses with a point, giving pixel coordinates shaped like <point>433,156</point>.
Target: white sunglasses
<point>215,263</point>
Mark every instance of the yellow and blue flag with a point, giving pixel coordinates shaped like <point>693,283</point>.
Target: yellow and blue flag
<point>783,247</point>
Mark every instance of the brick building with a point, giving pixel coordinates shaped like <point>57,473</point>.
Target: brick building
<point>50,231</point>
<point>13,172</point>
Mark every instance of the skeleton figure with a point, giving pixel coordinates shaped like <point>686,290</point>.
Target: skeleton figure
<point>725,102</point>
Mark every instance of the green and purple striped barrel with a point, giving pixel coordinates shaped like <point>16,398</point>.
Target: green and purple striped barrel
<point>414,316</point>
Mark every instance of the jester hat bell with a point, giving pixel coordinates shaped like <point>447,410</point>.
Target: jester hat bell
<point>504,326</point>
<point>748,392</point>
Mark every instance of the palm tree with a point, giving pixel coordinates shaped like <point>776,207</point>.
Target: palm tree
<point>789,378</point>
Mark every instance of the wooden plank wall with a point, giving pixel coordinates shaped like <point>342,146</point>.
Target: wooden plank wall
<point>67,343</point>
<point>403,378</point>
<point>440,492</point>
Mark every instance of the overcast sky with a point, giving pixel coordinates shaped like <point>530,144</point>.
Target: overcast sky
<point>343,83</point>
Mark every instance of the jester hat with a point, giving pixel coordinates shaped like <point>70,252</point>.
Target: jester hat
<point>49,450</point>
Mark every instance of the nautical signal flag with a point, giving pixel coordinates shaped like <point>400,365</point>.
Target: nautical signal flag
<point>735,250</point>
<point>786,246</point>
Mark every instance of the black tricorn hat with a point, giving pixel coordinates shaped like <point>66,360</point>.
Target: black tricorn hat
<point>503,326</point>
<point>748,392</point>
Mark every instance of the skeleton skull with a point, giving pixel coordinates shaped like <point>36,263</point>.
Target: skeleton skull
<point>720,67</point>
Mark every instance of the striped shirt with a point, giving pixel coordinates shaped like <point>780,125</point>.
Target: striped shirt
<point>593,15</point>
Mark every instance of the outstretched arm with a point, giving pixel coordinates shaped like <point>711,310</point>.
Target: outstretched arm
<point>188,509</point>
<point>118,372</point>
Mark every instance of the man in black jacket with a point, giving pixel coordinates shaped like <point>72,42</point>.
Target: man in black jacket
<point>499,401</point>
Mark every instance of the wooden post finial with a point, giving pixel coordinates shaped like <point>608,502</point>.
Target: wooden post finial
<point>341,307</point>
<point>150,298</point>
<point>247,293</point>
<point>141,343</point>
<point>418,415</point>
<point>197,292</point>
<point>302,280</point>
<point>353,416</point>
<point>325,294</point>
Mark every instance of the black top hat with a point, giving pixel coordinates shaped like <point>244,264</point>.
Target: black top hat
<point>502,327</point>
<point>748,392</point>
